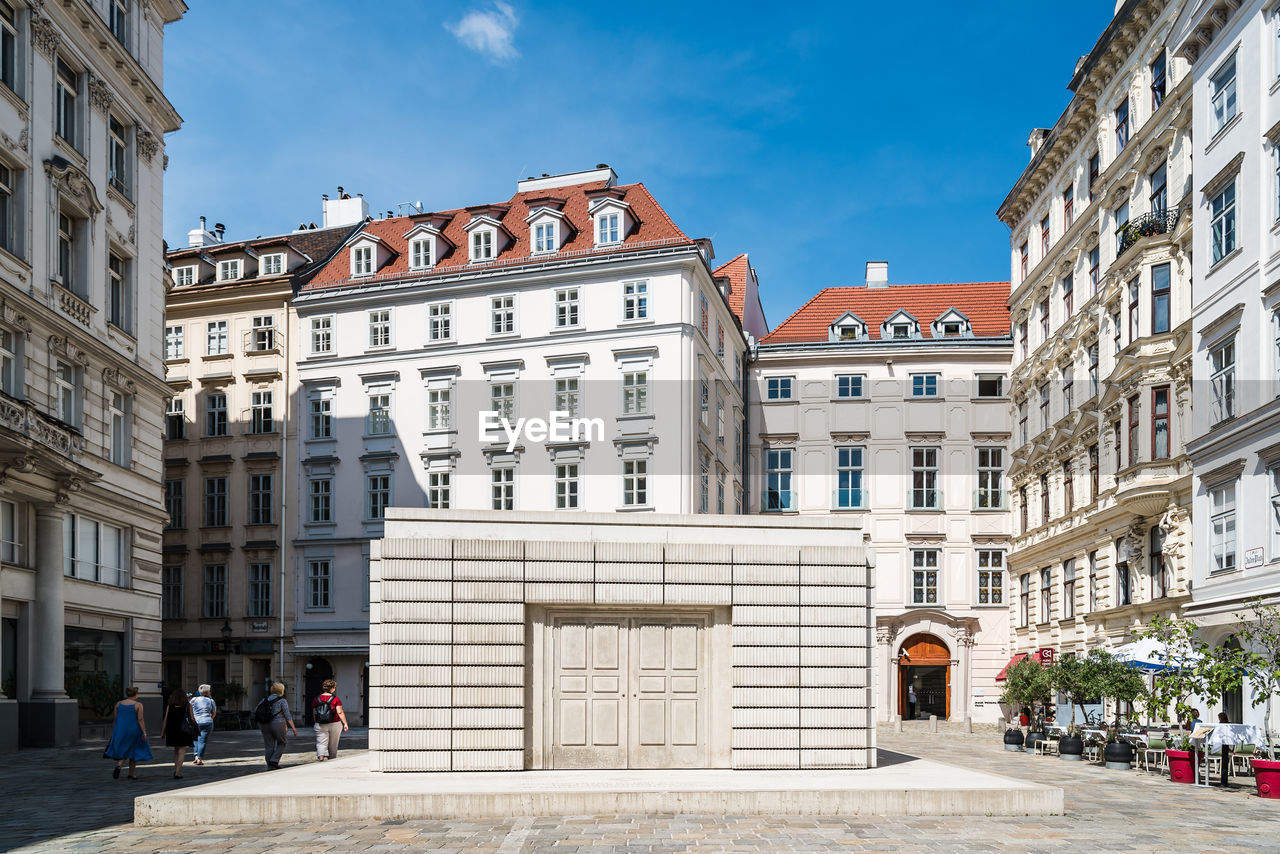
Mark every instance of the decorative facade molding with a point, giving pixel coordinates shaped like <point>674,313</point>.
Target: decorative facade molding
<point>44,35</point>
<point>100,94</point>
<point>113,377</point>
<point>148,144</point>
<point>69,180</point>
<point>63,347</point>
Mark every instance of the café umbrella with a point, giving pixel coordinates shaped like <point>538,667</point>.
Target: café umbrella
<point>1151,655</point>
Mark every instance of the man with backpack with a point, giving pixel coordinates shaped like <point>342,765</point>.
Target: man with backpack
<point>273,718</point>
<point>331,720</point>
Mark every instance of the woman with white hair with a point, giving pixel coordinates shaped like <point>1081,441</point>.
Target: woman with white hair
<point>205,710</point>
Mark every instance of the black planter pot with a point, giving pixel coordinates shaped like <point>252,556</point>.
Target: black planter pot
<point>1013,739</point>
<point>1033,738</point>
<point>1071,748</point>
<point>1118,756</point>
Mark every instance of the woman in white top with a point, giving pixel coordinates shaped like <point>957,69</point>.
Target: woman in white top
<point>205,711</point>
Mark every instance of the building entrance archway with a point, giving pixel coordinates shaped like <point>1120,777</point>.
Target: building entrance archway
<point>924,678</point>
<point>318,670</point>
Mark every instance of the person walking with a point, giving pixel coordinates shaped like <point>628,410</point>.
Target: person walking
<point>331,720</point>
<point>205,711</point>
<point>179,728</point>
<point>128,735</point>
<point>273,718</point>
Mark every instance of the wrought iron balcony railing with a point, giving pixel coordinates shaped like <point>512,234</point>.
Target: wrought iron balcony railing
<point>1156,222</point>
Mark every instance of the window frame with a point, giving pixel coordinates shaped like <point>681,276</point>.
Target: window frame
<point>440,322</point>
<point>379,327</point>
<point>990,466</point>
<point>635,301</point>
<point>1222,380</point>
<point>1223,239</point>
<point>850,491</point>
<point>779,472</point>
<point>925,384</point>
<point>260,575</point>
<point>1224,104</point>
<point>1223,527</point>
<point>850,386</point>
<point>926,578</point>
<point>319,584</point>
<point>502,315</point>
<point>216,421</point>
<point>779,388</point>
<point>1159,418</point>
<point>568,308</point>
<point>924,492</point>
<point>320,330</point>
<point>213,591</point>
<point>990,590</point>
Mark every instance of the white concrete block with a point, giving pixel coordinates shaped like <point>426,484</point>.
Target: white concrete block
<point>835,697</point>
<point>393,719</point>
<point>834,738</point>
<point>696,573</point>
<point>488,591</point>
<point>404,547</point>
<point>488,760</point>
<point>833,556</point>
<point>834,719</point>
<point>492,696</point>
<point>766,615</point>
<point>834,656</point>
<point>575,592</point>
<point>632,573</point>
<point>415,612</point>
<point>557,551</point>
<point>471,717</point>
<point>415,591</point>
<point>488,739</point>
<point>748,759</point>
<point>766,635</point>
<point>414,760</point>
<point>559,571</point>
<point>391,675</point>
<point>427,570</point>
<point>411,633</point>
<point>465,633</point>
<point>766,656</point>
<point>765,554</point>
<point>488,612</point>
<point>765,739</point>
<point>468,654</point>
<point>629,594</point>
<point>747,718</point>
<point>833,596</point>
<point>488,675</point>
<point>855,758</point>
<point>766,676</point>
<point>832,635</point>
<point>415,739</point>
<point>465,549</point>
<point>488,570</point>
<point>415,653</point>
<point>838,576</point>
<point>838,677</point>
<point>766,575</point>
<point>757,594</point>
<point>747,696</point>
<point>832,615</point>
<point>641,552</point>
<point>401,697</point>
<point>697,594</point>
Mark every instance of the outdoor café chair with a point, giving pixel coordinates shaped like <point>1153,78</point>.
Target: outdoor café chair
<point>1155,751</point>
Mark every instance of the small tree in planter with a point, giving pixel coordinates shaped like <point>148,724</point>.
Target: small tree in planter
<point>1123,684</point>
<point>1259,661</point>
<point>1026,684</point>
<point>1075,676</point>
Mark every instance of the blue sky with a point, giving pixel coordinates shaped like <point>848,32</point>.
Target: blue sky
<point>814,137</point>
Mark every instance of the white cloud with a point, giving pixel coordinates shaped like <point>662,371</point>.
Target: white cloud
<point>491,34</point>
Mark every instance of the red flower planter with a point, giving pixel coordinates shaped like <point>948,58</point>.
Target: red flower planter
<point>1180,767</point>
<point>1266,776</point>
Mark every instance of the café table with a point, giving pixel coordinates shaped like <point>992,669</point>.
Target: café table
<point>1223,737</point>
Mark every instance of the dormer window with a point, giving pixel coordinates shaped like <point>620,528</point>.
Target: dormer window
<point>847,332</point>
<point>272,265</point>
<point>482,245</point>
<point>952,330</point>
<point>900,326</point>
<point>184,276</point>
<point>544,237</point>
<point>608,228</point>
<point>847,327</point>
<point>420,253</point>
<point>901,330</point>
<point>228,270</point>
<point>952,324</point>
<point>362,261</point>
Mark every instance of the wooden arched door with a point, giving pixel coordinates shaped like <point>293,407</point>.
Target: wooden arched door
<point>924,678</point>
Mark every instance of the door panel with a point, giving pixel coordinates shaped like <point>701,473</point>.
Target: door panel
<point>589,693</point>
<point>670,727</point>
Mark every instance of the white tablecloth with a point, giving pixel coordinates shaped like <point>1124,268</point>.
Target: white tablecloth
<point>1232,734</point>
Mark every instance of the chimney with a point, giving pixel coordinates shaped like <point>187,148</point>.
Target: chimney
<point>343,210</point>
<point>219,228</point>
<point>1036,140</point>
<point>877,274</point>
<point>201,236</point>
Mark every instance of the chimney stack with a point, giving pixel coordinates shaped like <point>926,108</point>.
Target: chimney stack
<point>343,210</point>
<point>877,274</point>
<point>201,236</point>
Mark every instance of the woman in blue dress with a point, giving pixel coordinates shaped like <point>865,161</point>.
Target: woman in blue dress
<point>128,735</point>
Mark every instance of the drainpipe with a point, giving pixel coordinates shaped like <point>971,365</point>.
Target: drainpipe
<point>286,541</point>
<point>747,356</point>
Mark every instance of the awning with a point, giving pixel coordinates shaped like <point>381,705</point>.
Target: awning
<point>1036,656</point>
<point>1151,655</point>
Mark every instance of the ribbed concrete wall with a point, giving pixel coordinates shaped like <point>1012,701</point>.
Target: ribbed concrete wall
<point>450,665</point>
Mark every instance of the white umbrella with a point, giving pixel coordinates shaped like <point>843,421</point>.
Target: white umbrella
<point>1151,655</point>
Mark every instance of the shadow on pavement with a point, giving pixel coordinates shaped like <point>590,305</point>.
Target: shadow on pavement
<point>886,758</point>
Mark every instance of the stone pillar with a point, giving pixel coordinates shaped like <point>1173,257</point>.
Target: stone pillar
<point>964,672</point>
<point>886,665</point>
<point>51,718</point>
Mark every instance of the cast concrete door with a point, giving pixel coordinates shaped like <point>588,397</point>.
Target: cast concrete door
<point>629,691</point>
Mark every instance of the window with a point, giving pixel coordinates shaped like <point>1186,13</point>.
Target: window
<point>1222,503</point>
<point>1158,80</point>
<point>1135,319</point>
<point>321,335</point>
<point>1024,255</point>
<point>1117,334</point>
<point>175,419</point>
<point>1160,423</point>
<point>1044,499</point>
<point>482,245</point>
<point>1095,167</point>
<point>439,408</point>
<point>1222,223</point>
<point>990,577</point>
<point>1068,488</point>
<point>1024,600</point>
<point>261,409</point>
<point>117,155</point>
<point>719,340</point>
<point>1044,237</point>
<point>635,483</point>
<point>318,584</point>
<point>259,590</point>
<point>216,338</point>
<point>1044,407</point>
<point>567,308</point>
<point>1115,441</point>
<point>215,414</point>
<point>607,230</point>
<point>901,331</point>
<point>1160,279</point>
<point>1046,595</point>
<point>1122,222</point>
<point>9,43</point>
<point>1069,589</point>
<point>635,393</point>
<point>362,261</point>
<point>1023,349</point>
<point>378,422</point>
<point>378,492</point>
<point>1024,512</point>
<point>215,502</point>
<point>66,380</point>
<point>635,300</point>
<point>544,237</point>
<point>704,315</point>
<point>440,321</point>
<point>1095,265</point>
<point>228,270</point>
<point>183,276</point>
<point>924,385</point>
<point>1158,201</point>
<point>1122,125</point>
<point>704,482</point>
<point>1093,369</point>
<point>502,399</point>
<point>1124,585</point>
<point>1068,296</point>
<point>171,593</point>
<point>1159,573</point>
<point>262,336</point>
<point>849,385</point>
<point>119,20</point>
<point>569,396</point>
<point>1093,582</point>
<point>174,346</point>
<point>1023,434</point>
<point>849,478</point>
<point>1068,205</point>
<point>320,491</point>
<point>67,117</point>
<point>924,576</point>
<point>272,265</point>
<point>420,253</point>
<point>215,591</point>
<point>1044,319</point>
<point>1068,390</point>
<point>778,388</point>
<point>379,328</point>
<point>8,189</point>
<point>1222,96</point>
<point>67,253</point>
<point>502,488</point>
<point>777,491</point>
<point>321,411</point>
<point>704,401</point>
<point>1093,472</point>
<point>1222,380</point>
<point>924,479</point>
<point>567,486</point>
<point>440,488</point>
<point>175,503</point>
<point>1134,423</point>
<point>1273,475</point>
<point>990,478</point>
<point>502,311</point>
<point>260,499</point>
<point>11,382</point>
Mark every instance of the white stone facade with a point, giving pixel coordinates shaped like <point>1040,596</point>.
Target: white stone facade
<point>526,640</point>
<point>82,117</point>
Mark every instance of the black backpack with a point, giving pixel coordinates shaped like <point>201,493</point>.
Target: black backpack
<point>323,712</point>
<point>264,711</point>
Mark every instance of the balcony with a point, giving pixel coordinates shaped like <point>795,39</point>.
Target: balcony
<point>1156,222</point>
<point>22,418</point>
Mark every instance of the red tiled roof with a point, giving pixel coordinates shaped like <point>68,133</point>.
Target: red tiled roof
<point>984,303</point>
<point>654,228</point>
<point>737,270</point>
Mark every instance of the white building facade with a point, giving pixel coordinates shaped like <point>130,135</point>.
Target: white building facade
<point>1234,53</point>
<point>82,117</point>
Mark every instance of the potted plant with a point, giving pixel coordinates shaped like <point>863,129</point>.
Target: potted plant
<point>1013,697</point>
<point>1260,663</point>
<point>1125,686</point>
<point>1074,676</point>
<point>1026,685</point>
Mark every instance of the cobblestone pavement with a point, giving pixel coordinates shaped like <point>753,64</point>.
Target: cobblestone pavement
<point>67,801</point>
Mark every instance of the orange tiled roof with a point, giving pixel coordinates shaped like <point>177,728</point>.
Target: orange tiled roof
<point>984,303</point>
<point>737,270</point>
<point>654,228</point>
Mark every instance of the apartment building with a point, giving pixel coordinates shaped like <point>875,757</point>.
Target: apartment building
<point>82,119</point>
<point>229,430</point>
<point>889,405</point>
<point>1101,252</point>
<point>577,305</point>
<point>1233,50</point>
